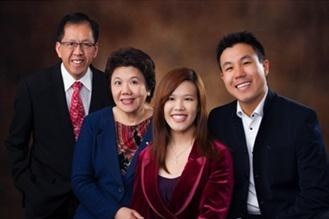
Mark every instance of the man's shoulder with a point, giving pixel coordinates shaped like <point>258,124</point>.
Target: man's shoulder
<point>43,75</point>
<point>96,71</point>
<point>224,109</point>
<point>287,105</point>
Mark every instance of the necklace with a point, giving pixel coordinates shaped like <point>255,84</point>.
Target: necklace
<point>178,155</point>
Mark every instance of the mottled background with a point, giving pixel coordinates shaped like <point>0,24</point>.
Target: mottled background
<point>174,33</point>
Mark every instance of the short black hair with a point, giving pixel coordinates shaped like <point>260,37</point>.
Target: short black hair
<point>76,18</point>
<point>136,58</point>
<point>240,37</point>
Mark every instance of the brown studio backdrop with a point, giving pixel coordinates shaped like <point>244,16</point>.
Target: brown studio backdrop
<point>174,33</point>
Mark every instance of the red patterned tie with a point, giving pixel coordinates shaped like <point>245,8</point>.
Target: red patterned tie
<point>77,112</point>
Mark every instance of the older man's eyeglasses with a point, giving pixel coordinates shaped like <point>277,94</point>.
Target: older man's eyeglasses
<point>83,45</point>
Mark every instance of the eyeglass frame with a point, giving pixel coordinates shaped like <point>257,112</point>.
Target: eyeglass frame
<point>74,45</point>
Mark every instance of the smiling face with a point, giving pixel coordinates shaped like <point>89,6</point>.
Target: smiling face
<point>180,110</point>
<point>77,60</point>
<point>244,75</point>
<point>128,89</point>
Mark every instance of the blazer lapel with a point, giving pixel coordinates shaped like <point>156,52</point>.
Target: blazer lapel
<point>261,146</point>
<point>100,91</point>
<point>189,182</point>
<point>149,176</point>
<point>145,142</point>
<point>60,99</point>
<point>238,132</point>
<point>266,121</point>
<point>106,139</point>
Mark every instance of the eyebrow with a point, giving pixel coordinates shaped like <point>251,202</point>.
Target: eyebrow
<point>246,57</point>
<point>242,58</point>
<point>133,77</point>
<point>226,63</point>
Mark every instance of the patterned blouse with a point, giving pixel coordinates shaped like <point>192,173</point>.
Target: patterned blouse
<point>128,139</point>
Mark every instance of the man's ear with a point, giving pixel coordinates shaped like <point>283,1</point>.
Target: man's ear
<point>58,49</point>
<point>96,50</point>
<point>221,75</point>
<point>266,66</point>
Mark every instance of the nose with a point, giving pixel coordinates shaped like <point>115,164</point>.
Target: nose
<point>239,72</point>
<point>126,88</point>
<point>179,105</point>
<point>78,49</point>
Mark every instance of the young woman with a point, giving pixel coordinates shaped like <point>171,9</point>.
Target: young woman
<point>107,150</point>
<point>183,174</point>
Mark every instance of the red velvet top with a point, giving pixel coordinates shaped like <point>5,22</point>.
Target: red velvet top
<point>204,189</point>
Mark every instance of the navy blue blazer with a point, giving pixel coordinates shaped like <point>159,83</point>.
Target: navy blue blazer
<point>96,175</point>
<point>289,159</point>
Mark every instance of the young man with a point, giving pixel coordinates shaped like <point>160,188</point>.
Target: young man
<point>49,108</point>
<point>279,155</point>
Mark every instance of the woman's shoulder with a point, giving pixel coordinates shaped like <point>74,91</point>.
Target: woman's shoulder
<point>146,154</point>
<point>100,118</point>
<point>219,146</point>
<point>103,113</point>
<point>221,149</point>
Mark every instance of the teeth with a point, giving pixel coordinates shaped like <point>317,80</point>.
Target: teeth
<point>243,85</point>
<point>77,61</point>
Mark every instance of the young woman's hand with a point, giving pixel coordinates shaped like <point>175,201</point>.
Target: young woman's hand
<point>127,213</point>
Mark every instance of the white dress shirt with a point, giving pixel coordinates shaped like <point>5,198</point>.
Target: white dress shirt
<point>85,92</point>
<point>251,126</point>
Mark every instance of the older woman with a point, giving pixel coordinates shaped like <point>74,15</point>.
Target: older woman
<point>183,174</point>
<point>106,153</point>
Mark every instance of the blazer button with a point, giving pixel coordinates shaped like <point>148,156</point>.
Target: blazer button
<point>120,189</point>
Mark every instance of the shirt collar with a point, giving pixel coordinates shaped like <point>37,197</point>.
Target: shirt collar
<point>69,80</point>
<point>259,110</point>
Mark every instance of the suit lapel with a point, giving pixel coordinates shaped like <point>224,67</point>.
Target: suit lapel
<point>60,98</point>
<point>99,91</point>
<point>94,93</point>
<point>238,132</point>
<point>261,146</point>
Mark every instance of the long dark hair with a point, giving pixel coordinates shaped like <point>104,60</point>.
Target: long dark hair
<point>161,130</point>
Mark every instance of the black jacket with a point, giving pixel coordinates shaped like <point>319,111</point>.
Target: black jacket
<point>289,159</point>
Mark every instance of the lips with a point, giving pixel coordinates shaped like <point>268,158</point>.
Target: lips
<point>179,117</point>
<point>127,101</point>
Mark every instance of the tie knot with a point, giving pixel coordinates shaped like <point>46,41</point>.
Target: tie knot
<point>77,85</point>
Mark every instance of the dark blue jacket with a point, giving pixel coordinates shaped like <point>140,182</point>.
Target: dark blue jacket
<point>96,175</point>
<point>289,159</point>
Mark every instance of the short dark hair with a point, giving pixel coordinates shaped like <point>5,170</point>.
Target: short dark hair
<point>76,18</point>
<point>240,37</point>
<point>136,58</point>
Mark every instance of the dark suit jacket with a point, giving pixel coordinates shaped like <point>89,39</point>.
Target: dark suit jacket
<point>40,142</point>
<point>289,159</point>
<point>203,191</point>
<point>96,174</point>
